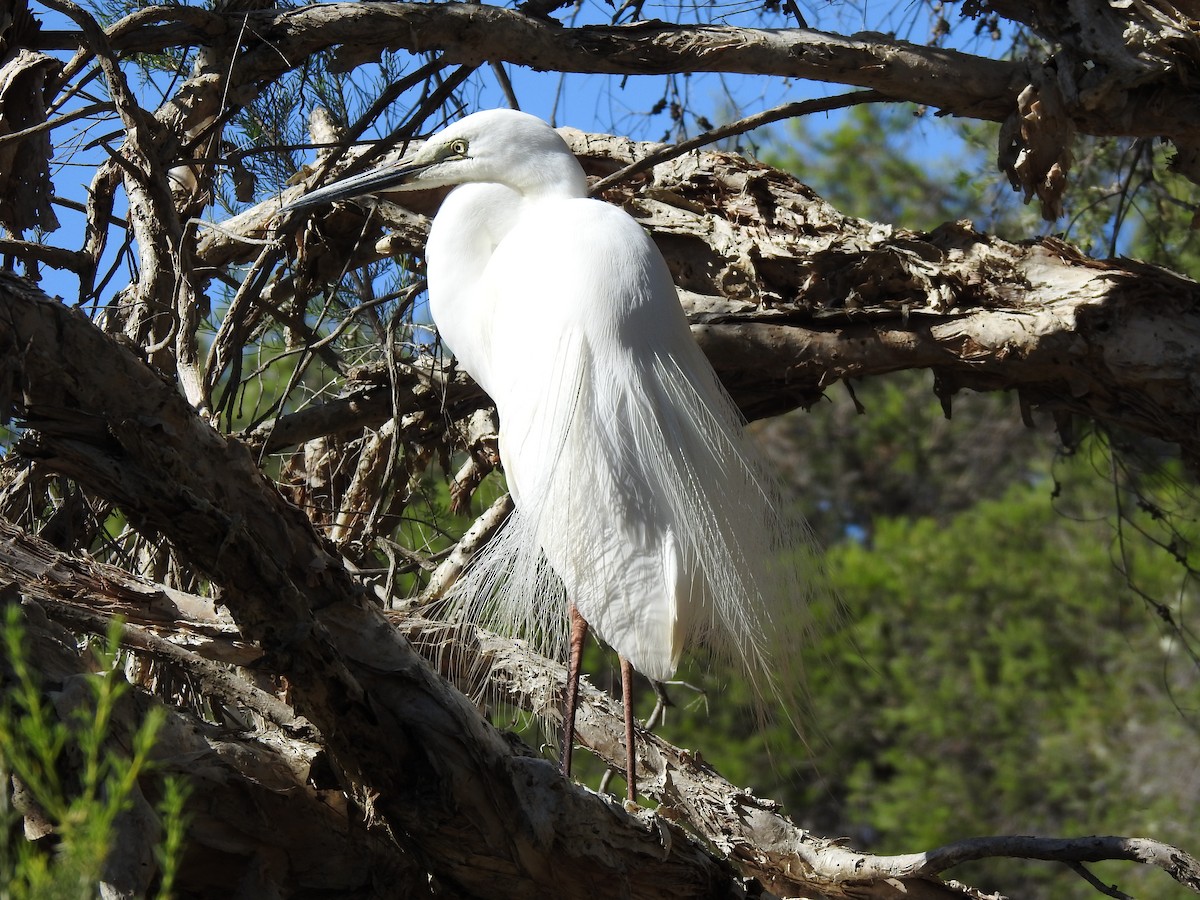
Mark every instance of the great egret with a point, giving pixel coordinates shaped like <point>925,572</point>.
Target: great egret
<point>625,457</point>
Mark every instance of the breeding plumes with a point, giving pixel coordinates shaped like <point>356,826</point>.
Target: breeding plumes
<point>642,510</point>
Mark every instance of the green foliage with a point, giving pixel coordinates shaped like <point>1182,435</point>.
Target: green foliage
<point>1008,678</point>
<point>1164,215</point>
<point>901,455</point>
<point>996,674</point>
<point>79,782</point>
<point>866,167</point>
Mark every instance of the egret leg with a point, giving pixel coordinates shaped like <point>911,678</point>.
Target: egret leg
<point>630,753</point>
<point>579,630</point>
<point>656,717</point>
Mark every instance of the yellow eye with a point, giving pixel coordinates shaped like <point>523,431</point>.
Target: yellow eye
<point>458,147</point>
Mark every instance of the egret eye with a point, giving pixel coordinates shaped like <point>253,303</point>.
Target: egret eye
<point>458,147</point>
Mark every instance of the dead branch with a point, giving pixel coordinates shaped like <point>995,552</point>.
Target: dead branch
<point>955,83</point>
<point>750,831</point>
<point>165,296</point>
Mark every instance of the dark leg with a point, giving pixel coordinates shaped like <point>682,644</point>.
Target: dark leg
<point>579,630</point>
<point>630,752</point>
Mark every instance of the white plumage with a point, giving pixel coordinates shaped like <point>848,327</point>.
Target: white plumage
<point>626,459</point>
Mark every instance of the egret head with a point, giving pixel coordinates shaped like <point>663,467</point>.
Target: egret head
<point>497,146</point>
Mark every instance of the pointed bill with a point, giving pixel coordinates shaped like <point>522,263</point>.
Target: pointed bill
<point>376,181</point>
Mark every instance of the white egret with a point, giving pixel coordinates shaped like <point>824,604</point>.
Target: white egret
<point>625,457</point>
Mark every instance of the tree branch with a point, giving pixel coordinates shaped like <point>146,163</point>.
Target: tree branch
<point>786,296</point>
<point>952,82</point>
<point>744,828</point>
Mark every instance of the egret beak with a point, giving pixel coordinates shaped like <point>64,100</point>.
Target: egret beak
<point>375,181</point>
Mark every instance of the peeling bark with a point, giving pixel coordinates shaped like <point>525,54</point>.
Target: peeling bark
<point>26,151</point>
<point>786,295</point>
<point>264,818</point>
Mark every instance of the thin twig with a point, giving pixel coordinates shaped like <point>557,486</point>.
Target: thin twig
<point>740,126</point>
<point>1107,889</point>
<point>82,113</point>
